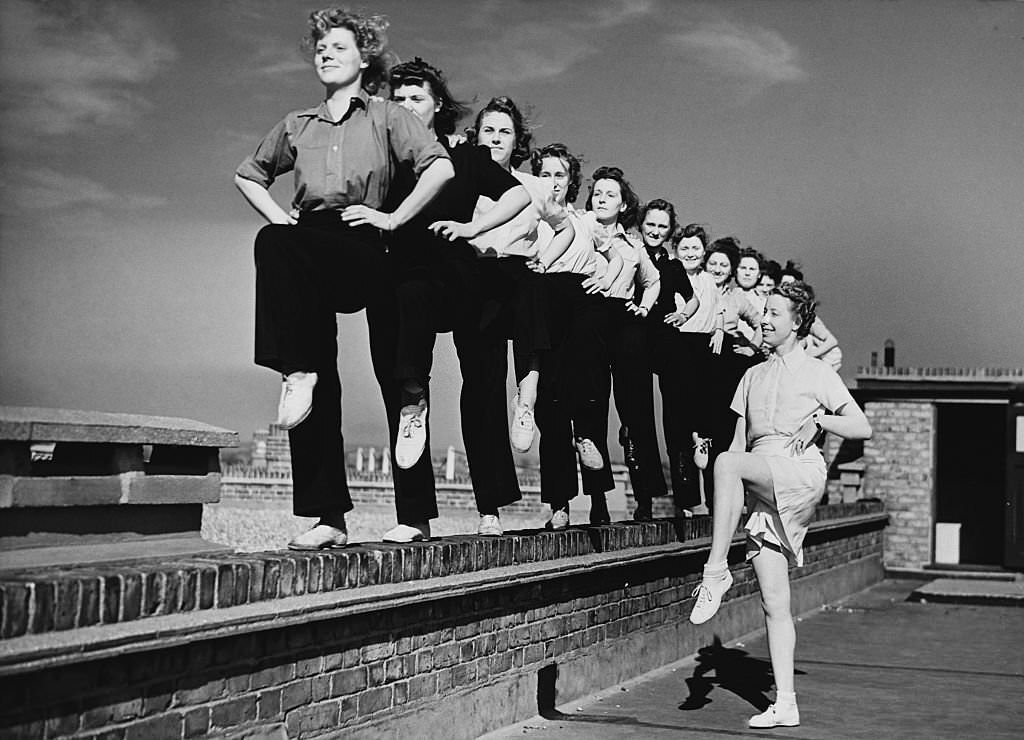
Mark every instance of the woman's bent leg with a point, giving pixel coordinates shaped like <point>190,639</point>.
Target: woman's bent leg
<point>734,473</point>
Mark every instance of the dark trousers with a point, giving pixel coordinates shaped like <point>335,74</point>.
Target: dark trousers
<point>683,363</point>
<point>510,308</point>
<point>573,391</point>
<point>305,275</point>
<point>627,338</point>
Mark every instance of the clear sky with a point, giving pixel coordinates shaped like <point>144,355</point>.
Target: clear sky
<point>880,143</point>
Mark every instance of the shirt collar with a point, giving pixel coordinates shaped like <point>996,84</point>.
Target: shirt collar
<point>657,253</point>
<point>794,359</point>
<point>356,102</point>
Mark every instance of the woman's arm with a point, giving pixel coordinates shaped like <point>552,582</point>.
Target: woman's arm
<point>429,184</point>
<point>848,422</point>
<point>557,246</point>
<point>261,200</point>
<point>739,436</point>
<point>611,272</point>
<point>824,340</point>
<point>509,205</point>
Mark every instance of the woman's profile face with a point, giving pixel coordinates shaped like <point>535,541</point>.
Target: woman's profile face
<point>765,285</point>
<point>555,174</point>
<point>497,133</point>
<point>655,227</point>
<point>691,253</point>
<point>719,267</point>
<point>747,273</point>
<point>778,322</point>
<point>606,201</point>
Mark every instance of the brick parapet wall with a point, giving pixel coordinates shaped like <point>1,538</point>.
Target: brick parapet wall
<point>52,600</point>
<point>401,656</point>
<point>900,459</point>
<point>372,657</point>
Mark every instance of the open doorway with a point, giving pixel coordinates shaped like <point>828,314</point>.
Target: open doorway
<point>970,477</point>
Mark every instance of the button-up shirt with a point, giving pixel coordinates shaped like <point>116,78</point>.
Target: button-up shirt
<point>705,320</point>
<point>778,395</point>
<point>637,268</point>
<point>345,162</point>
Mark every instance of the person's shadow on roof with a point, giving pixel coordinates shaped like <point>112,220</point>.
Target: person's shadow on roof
<point>735,670</point>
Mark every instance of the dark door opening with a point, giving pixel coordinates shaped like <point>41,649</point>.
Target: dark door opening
<point>970,478</point>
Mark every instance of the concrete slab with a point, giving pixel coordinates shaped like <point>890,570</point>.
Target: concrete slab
<point>958,591</point>
<point>27,423</point>
<point>872,666</point>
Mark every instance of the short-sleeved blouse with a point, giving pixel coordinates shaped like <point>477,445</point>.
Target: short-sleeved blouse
<point>705,318</point>
<point>342,162</point>
<point>777,396</point>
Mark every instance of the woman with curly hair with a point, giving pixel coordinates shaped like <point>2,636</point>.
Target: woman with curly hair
<point>325,256</point>
<point>614,206</point>
<point>570,412</point>
<point>512,307</point>
<point>436,281</point>
<point>782,405</point>
<point>820,342</point>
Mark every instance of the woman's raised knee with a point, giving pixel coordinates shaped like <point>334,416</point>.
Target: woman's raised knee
<point>729,463</point>
<point>270,241</point>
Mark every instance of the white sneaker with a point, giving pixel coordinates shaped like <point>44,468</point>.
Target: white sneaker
<point>699,510</point>
<point>590,456</point>
<point>412,435</point>
<point>559,520</point>
<point>709,597</point>
<point>701,450</point>
<point>408,533</point>
<point>296,399</point>
<point>776,716</point>
<point>320,537</point>
<point>490,526</point>
<point>523,427</point>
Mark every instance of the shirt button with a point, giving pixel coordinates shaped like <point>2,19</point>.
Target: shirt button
<point>334,148</point>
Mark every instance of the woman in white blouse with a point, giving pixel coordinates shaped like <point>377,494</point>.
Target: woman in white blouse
<point>614,206</point>
<point>781,405</point>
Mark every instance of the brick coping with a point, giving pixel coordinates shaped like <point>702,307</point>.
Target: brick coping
<point>50,601</point>
<point>48,650</point>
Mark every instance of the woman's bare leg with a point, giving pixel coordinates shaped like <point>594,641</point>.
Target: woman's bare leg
<point>772,571</point>
<point>734,473</point>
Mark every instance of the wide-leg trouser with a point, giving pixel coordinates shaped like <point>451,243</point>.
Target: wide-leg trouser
<point>570,404</point>
<point>305,275</point>
<point>682,361</point>
<point>627,337</point>
<point>511,307</point>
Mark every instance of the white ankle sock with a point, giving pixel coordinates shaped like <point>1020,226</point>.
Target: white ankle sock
<point>715,571</point>
<point>785,698</point>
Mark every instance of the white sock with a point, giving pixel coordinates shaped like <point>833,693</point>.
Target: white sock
<point>715,571</point>
<point>785,698</point>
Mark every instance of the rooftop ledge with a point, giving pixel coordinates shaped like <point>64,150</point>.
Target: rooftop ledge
<point>59,616</point>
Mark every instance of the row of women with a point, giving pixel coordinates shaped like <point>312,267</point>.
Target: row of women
<point>427,234</point>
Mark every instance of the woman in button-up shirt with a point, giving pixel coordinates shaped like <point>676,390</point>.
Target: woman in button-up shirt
<point>325,256</point>
<point>782,405</point>
<point>614,206</point>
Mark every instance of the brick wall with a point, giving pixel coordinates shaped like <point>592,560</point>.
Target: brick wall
<point>901,472</point>
<point>413,658</point>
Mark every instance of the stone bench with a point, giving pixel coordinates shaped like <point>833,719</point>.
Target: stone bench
<point>85,486</point>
